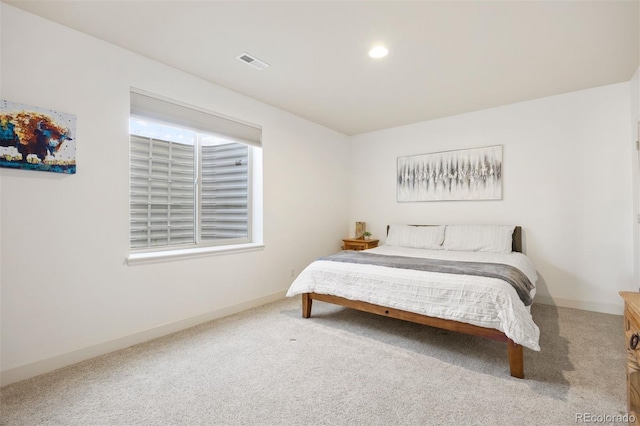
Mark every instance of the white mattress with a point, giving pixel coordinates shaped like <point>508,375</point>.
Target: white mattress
<point>481,301</point>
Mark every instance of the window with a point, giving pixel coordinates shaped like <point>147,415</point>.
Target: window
<point>190,177</point>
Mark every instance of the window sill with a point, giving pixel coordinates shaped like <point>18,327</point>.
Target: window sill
<point>170,255</point>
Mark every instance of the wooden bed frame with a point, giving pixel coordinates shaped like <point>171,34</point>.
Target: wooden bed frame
<point>514,350</point>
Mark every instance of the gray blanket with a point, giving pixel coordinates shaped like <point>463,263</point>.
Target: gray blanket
<point>507,273</point>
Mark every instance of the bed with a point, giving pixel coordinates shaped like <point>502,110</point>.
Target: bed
<point>390,280</point>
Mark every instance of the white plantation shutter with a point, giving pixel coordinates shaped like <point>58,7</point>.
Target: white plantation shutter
<point>224,192</point>
<point>195,193</point>
<point>162,193</point>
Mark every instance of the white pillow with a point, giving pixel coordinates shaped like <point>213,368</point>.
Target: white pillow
<point>489,238</point>
<point>425,237</point>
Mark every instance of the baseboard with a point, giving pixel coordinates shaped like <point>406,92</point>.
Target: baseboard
<point>27,371</point>
<point>603,307</point>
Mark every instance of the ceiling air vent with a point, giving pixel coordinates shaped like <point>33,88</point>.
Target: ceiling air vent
<point>252,60</point>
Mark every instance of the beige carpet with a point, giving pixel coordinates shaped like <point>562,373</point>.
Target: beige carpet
<point>268,366</point>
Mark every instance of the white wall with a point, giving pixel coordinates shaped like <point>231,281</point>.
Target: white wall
<point>567,181</point>
<point>634,86</point>
<point>67,292</point>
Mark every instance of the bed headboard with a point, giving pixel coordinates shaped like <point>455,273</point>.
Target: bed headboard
<point>516,244</point>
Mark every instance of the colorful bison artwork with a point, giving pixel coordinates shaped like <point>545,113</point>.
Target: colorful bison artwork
<point>36,139</point>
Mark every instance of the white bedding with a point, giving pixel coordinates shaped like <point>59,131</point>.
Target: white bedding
<point>482,301</point>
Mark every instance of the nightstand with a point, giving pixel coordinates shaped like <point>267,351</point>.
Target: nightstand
<point>632,336</point>
<point>359,244</point>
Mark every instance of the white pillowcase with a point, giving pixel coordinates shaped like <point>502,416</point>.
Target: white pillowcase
<point>488,238</point>
<point>425,237</point>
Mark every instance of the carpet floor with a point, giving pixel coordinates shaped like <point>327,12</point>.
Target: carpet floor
<point>269,366</point>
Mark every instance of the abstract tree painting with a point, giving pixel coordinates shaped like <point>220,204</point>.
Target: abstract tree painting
<point>469,174</point>
<point>34,138</point>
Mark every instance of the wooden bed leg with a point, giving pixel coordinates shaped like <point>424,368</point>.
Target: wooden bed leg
<point>306,305</point>
<point>516,362</point>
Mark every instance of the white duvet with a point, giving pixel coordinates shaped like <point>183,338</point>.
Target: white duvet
<point>481,301</point>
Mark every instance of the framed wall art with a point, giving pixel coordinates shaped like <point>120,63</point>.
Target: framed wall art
<point>467,174</point>
<point>33,138</point>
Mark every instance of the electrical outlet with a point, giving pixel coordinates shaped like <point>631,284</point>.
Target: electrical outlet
<point>293,272</point>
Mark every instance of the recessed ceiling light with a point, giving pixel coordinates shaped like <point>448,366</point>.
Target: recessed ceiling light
<point>378,52</point>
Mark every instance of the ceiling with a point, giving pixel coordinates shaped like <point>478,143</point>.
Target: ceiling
<point>445,57</point>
